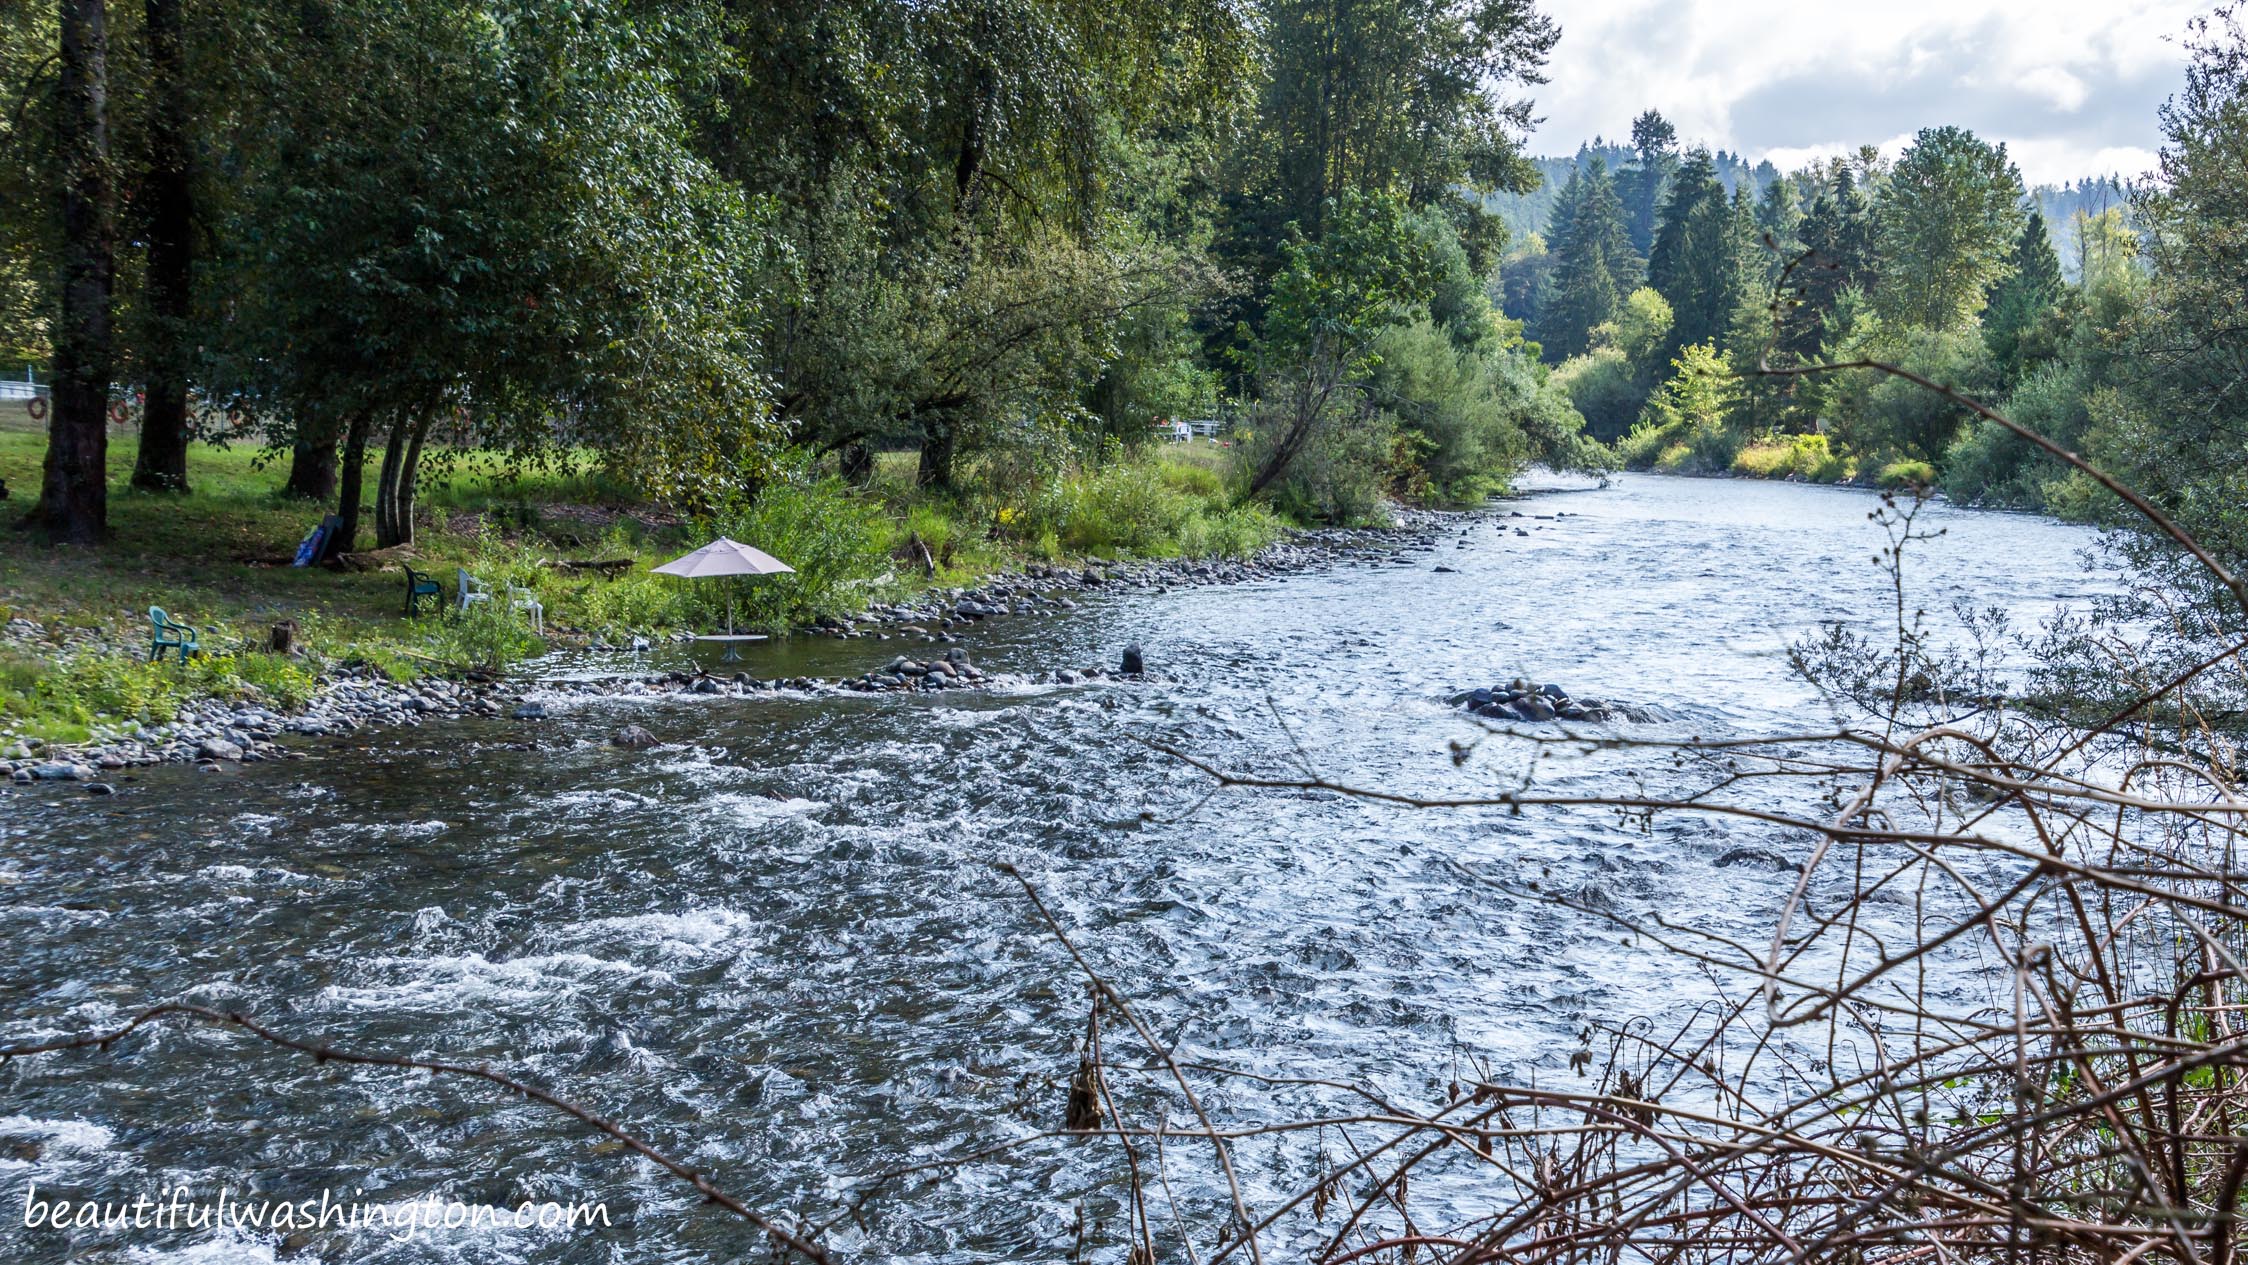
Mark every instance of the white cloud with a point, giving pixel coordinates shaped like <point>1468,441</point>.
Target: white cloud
<point>2071,85</point>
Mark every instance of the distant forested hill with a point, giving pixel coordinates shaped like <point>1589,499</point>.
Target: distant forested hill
<point>1532,212</point>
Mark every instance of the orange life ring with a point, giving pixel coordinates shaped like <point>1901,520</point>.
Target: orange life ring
<point>118,412</point>
<point>36,407</point>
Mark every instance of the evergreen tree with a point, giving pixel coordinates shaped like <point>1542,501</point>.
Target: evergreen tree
<point>1641,187</point>
<point>1594,264</point>
<point>1778,215</point>
<point>2018,306</point>
<point>1695,263</point>
<point>1837,255</point>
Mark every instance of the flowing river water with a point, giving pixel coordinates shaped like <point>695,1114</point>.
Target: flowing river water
<point>778,945</point>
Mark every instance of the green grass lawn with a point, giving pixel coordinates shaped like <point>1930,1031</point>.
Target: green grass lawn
<point>217,559</point>
<point>209,555</point>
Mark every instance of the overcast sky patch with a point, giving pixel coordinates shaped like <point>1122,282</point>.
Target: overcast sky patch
<point>2071,86</point>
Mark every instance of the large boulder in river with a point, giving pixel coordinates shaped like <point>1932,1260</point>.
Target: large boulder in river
<point>632,737</point>
<point>218,749</point>
<point>1135,662</point>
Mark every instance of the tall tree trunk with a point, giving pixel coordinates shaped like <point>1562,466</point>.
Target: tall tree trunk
<point>394,489</point>
<point>386,483</point>
<point>354,480</point>
<point>857,460</point>
<point>409,476</point>
<point>312,470</point>
<point>1313,392</point>
<point>938,437</point>
<point>162,465</point>
<point>74,496</point>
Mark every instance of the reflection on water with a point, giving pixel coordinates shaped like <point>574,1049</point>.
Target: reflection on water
<point>777,944</point>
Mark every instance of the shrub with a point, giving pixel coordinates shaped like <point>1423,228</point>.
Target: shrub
<point>1907,473</point>
<point>1689,412</point>
<point>832,535</point>
<point>637,599</point>
<point>276,679</point>
<point>1239,533</point>
<point>1794,456</point>
<point>486,637</point>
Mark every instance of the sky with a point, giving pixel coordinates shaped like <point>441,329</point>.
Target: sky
<point>2071,86</point>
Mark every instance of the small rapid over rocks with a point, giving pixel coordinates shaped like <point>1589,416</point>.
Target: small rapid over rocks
<point>774,939</point>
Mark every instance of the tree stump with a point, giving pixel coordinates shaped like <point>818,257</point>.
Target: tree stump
<point>282,638</point>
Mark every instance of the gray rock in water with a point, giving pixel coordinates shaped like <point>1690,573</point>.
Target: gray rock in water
<point>60,771</point>
<point>1134,662</point>
<point>528,711</point>
<point>632,737</point>
<point>707,685</point>
<point>217,749</point>
<point>1535,708</point>
<point>1757,856</point>
<point>100,788</point>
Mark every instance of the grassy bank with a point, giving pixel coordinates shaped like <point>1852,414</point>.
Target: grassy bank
<point>216,559</point>
<point>1802,458</point>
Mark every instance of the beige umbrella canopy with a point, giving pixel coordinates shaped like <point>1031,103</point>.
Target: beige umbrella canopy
<point>722,557</point>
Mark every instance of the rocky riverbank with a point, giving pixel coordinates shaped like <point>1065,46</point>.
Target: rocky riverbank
<point>213,733</point>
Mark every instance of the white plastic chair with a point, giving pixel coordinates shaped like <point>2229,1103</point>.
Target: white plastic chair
<point>525,600</point>
<point>472,589</point>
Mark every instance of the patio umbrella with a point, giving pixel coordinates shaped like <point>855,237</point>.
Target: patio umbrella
<point>726,557</point>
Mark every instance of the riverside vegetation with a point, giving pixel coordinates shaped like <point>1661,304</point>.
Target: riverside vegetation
<point>725,266</point>
<point>75,649</point>
<point>652,272</point>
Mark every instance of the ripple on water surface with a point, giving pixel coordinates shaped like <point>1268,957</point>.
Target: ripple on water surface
<point>779,944</point>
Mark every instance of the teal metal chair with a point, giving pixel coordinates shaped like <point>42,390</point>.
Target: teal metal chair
<point>169,634</point>
<point>420,588</point>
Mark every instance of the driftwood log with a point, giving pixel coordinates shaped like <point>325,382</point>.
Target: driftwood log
<point>915,551</point>
<point>609,568</point>
<point>372,559</point>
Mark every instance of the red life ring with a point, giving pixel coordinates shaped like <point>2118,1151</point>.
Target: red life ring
<point>118,412</point>
<point>36,407</point>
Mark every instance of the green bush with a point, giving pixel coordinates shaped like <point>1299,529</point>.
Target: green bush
<point>486,637</point>
<point>1119,506</point>
<point>1239,533</point>
<point>1684,428</point>
<point>275,679</point>
<point>1794,456</point>
<point>1907,473</point>
<point>635,600</point>
<point>60,700</point>
<point>832,535</point>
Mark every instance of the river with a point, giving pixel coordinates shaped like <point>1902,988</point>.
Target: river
<point>779,946</point>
